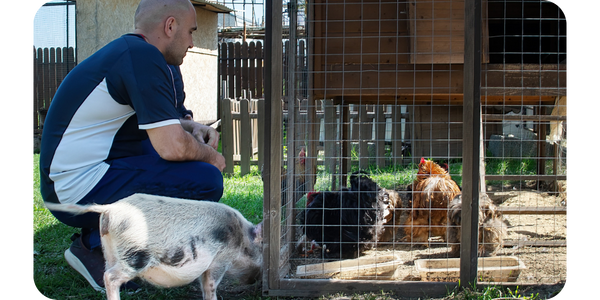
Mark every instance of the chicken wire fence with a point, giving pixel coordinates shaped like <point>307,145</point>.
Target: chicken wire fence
<point>373,148</point>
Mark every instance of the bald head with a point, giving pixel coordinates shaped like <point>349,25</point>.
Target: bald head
<point>151,13</point>
<point>168,25</point>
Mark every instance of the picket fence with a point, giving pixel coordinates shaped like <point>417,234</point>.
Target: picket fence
<point>50,67</point>
<point>242,124</point>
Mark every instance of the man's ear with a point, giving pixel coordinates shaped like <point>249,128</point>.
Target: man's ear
<point>170,26</point>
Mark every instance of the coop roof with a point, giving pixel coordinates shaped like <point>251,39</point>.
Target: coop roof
<point>212,6</point>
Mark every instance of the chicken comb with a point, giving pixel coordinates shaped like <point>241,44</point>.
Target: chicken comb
<point>422,160</point>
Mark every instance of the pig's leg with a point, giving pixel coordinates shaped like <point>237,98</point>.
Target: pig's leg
<point>211,278</point>
<point>208,286</point>
<point>113,279</point>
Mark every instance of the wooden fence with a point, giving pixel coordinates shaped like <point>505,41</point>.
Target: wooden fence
<point>241,68</point>
<point>241,124</point>
<point>374,129</point>
<point>50,66</point>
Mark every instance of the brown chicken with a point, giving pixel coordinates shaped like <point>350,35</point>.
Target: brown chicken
<point>433,189</point>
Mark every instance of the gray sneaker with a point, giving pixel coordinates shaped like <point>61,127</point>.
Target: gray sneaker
<point>90,264</point>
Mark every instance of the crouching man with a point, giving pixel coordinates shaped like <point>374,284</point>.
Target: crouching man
<point>113,130</point>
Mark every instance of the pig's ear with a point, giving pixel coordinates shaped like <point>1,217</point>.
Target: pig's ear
<point>258,232</point>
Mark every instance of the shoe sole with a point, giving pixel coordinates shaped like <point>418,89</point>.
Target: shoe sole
<point>76,264</point>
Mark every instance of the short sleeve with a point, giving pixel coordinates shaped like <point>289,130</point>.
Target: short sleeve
<point>144,81</point>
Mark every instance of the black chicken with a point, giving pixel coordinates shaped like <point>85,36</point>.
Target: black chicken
<point>349,221</point>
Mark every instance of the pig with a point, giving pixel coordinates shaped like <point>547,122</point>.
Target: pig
<point>171,242</point>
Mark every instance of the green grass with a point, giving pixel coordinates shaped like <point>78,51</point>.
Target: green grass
<point>56,280</point>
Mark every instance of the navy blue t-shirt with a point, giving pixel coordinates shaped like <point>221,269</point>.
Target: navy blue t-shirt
<point>100,113</point>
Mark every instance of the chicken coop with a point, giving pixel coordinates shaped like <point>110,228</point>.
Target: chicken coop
<point>390,121</point>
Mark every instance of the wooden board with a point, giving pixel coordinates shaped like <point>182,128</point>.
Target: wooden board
<point>379,267</point>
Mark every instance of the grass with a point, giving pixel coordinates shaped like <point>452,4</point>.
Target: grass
<point>55,279</point>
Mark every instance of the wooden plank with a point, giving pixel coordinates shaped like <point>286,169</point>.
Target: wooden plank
<point>540,118</point>
<point>272,130</point>
<point>345,141</point>
<point>245,138</point>
<point>525,177</point>
<point>318,287</point>
<point>227,135</point>
<point>261,129</point>
<point>377,267</point>
<point>46,79</point>
<point>330,128</point>
<point>244,77</point>
<point>397,134</point>
<point>260,63</point>
<point>532,210</point>
<point>231,70</point>
<point>238,70</point>
<point>223,91</point>
<point>36,99</point>
<point>52,74</point>
<point>471,134</point>
<point>437,26</point>
<point>236,117</point>
<point>252,69</point>
<point>539,243</point>
<point>364,136</point>
<point>380,126</point>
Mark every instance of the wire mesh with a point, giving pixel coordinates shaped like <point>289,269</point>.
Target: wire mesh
<point>372,140</point>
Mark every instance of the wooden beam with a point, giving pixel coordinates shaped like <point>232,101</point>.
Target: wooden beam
<point>272,129</point>
<point>471,133</point>
<point>532,210</point>
<point>431,98</point>
<point>319,287</point>
<point>542,243</point>
<point>525,177</point>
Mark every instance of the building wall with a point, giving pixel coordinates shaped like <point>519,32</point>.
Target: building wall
<point>101,21</point>
<point>200,67</point>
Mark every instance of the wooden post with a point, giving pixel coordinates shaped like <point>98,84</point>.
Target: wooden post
<point>227,135</point>
<point>396,134</point>
<point>329,143</point>
<point>261,136</point>
<point>380,125</point>
<point>471,133</point>
<point>364,136</point>
<point>272,130</point>
<point>231,70</point>
<point>245,138</point>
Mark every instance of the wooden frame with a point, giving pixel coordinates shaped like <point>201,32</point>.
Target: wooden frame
<point>451,78</point>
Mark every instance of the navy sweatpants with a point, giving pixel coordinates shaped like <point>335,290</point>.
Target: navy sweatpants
<point>148,174</point>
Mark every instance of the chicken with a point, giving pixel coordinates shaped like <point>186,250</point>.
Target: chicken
<point>433,189</point>
<point>346,222</point>
<point>392,215</point>
<point>492,229</point>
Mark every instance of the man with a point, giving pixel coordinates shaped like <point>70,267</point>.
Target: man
<point>114,129</point>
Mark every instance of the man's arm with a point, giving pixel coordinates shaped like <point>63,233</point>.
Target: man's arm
<point>173,143</point>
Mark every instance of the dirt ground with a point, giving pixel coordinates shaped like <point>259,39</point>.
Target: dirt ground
<point>545,263</point>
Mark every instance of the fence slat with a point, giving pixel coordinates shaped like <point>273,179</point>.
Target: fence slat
<point>230,70</point>
<point>252,69</point>
<point>227,135</point>
<point>245,138</point>
<point>238,70</point>
<point>51,66</point>
<point>259,70</point>
<point>36,104</point>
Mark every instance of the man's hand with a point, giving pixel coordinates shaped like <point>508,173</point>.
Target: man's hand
<point>204,134</point>
<point>173,143</point>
